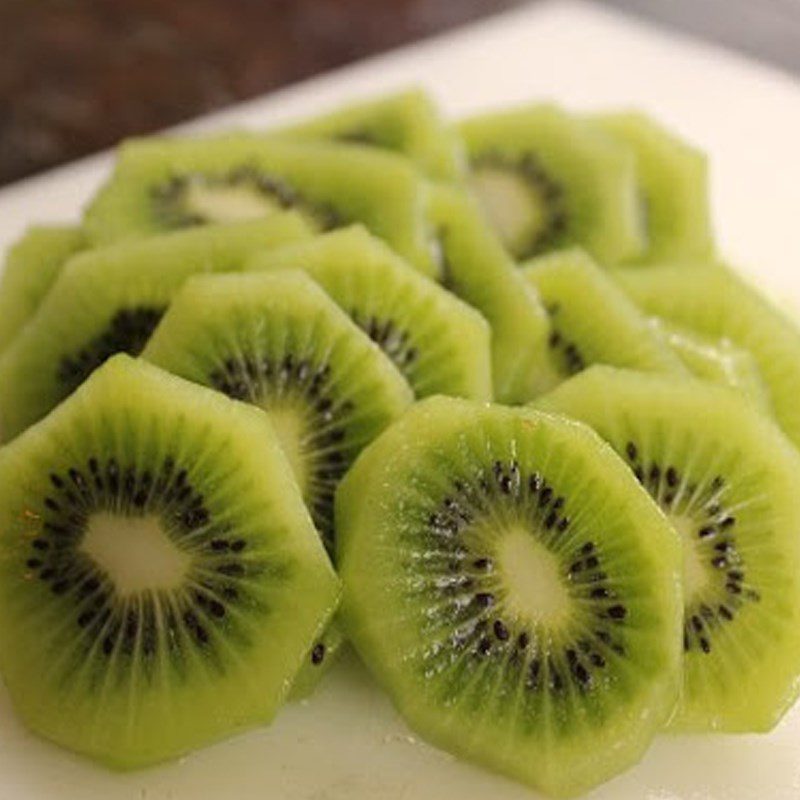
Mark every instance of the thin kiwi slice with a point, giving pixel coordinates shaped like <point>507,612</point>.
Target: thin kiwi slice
<point>514,590</point>
<point>716,303</point>
<point>726,477</point>
<point>475,267</point>
<point>108,301</point>
<point>278,341</point>
<point>31,267</point>
<point>547,180</point>
<point>592,320</point>
<point>161,578</point>
<point>440,344</point>
<point>406,122</point>
<point>673,184</point>
<point>160,184</point>
<point>716,360</point>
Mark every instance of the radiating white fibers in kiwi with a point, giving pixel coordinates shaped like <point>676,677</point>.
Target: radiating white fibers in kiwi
<point>514,589</point>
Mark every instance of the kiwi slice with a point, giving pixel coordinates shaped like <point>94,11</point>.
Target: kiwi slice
<point>108,301</point>
<point>514,589</point>
<point>548,180</point>
<point>406,122</point>
<point>715,303</point>
<point>592,320</point>
<point>726,478</point>
<point>440,344</point>
<point>31,267</point>
<point>716,360</point>
<point>160,184</point>
<point>475,267</point>
<point>673,185</point>
<point>278,341</point>
<point>161,578</point>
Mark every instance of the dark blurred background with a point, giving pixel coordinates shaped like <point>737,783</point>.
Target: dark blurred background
<point>77,75</point>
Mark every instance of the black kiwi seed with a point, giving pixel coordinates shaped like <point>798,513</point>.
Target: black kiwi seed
<point>171,205</point>
<point>318,654</point>
<point>546,193</point>
<point>127,332</point>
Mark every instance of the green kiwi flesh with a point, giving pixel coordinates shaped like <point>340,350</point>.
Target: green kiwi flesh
<point>549,180</point>
<point>726,478</point>
<point>109,300</point>
<point>162,184</point>
<point>439,343</point>
<point>715,303</point>
<point>475,267</point>
<point>161,578</point>
<point>716,360</point>
<point>31,267</point>
<point>276,340</point>
<point>673,181</point>
<point>406,122</point>
<point>513,589</point>
<point>592,320</point>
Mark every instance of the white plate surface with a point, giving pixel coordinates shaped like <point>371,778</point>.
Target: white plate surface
<point>347,744</point>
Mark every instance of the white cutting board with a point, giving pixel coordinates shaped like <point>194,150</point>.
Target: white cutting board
<point>347,743</point>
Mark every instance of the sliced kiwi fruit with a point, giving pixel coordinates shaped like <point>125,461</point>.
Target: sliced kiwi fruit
<point>726,478</point>
<point>31,267</point>
<point>514,590</point>
<point>406,122</point>
<point>592,320</point>
<point>440,344</point>
<point>109,300</point>
<point>548,180</point>
<point>276,340</point>
<point>716,360</point>
<point>716,303</point>
<point>673,185</point>
<point>161,184</point>
<point>161,578</point>
<point>475,267</point>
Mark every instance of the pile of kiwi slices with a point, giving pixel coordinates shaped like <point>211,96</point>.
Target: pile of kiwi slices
<point>479,399</point>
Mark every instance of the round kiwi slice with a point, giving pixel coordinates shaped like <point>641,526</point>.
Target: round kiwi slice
<point>592,320</point>
<point>673,184</point>
<point>406,122</point>
<point>716,360</point>
<point>726,478</point>
<point>547,180</point>
<point>278,341</point>
<point>514,590</point>
<point>108,301</point>
<point>440,344</point>
<point>475,267</point>
<point>31,267</point>
<point>161,578</point>
<point>714,302</point>
<point>160,184</point>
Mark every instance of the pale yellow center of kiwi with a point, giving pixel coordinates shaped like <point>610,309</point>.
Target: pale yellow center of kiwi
<point>221,203</point>
<point>135,553</point>
<point>512,208</point>
<point>529,573</point>
<point>292,428</point>
<point>695,574</point>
